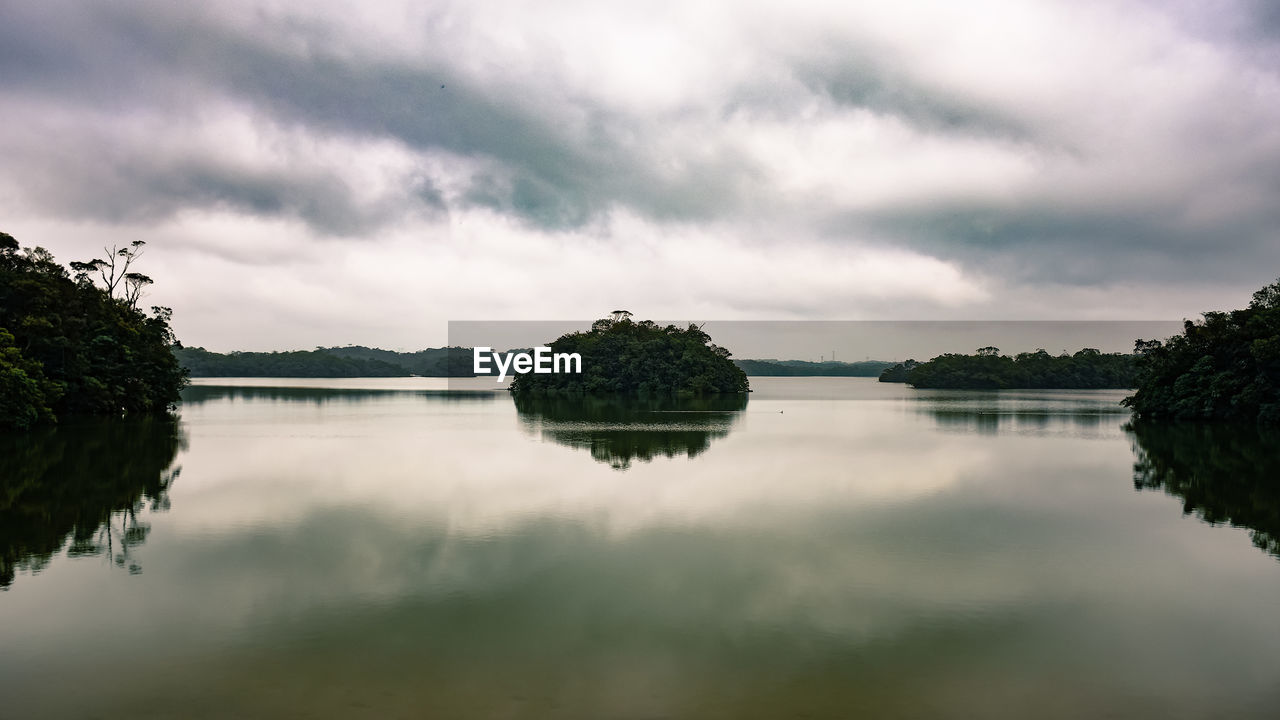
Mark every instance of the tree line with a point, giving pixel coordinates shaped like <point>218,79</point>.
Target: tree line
<point>332,362</point>
<point>808,368</point>
<point>987,369</point>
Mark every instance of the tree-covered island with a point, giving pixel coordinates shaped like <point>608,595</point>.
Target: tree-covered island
<point>623,356</point>
<point>987,369</point>
<point>79,345</point>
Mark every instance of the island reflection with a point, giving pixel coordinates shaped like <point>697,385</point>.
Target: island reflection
<point>81,487</point>
<point>992,422</point>
<point>1224,474</point>
<point>617,430</point>
<point>1084,413</point>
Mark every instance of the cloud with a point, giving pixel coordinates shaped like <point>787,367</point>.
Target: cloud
<point>950,158</point>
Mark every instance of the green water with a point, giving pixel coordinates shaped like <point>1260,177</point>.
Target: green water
<point>832,548</point>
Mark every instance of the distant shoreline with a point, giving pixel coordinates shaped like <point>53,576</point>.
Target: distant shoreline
<point>356,361</point>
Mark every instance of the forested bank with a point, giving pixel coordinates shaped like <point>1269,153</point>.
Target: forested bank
<point>1225,366</point>
<point>79,344</point>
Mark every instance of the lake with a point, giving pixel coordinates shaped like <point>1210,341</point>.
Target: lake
<point>829,548</point>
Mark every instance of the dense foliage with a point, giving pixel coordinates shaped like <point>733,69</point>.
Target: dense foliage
<point>898,373</point>
<point>70,347</point>
<point>351,361</point>
<point>1224,367</point>
<point>622,356</point>
<point>989,370</point>
<point>1223,473</point>
<point>807,368</point>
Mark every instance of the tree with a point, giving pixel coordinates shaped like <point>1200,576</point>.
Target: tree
<point>1267,298</point>
<point>1142,347</point>
<point>898,373</point>
<point>134,282</point>
<point>114,270</point>
<point>25,393</point>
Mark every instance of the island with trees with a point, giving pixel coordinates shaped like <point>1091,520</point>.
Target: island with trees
<point>79,344</point>
<point>1225,366</point>
<point>626,357</point>
<point>987,369</point>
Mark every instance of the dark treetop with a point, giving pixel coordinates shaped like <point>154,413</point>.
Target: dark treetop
<point>623,356</point>
<point>1224,367</point>
<point>80,345</point>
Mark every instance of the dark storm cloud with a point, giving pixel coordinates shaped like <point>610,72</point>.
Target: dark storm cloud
<point>1083,245</point>
<point>855,78</point>
<point>102,177</point>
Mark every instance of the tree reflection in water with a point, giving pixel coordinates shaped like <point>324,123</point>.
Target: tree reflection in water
<point>617,430</point>
<point>201,394</point>
<point>1224,474</point>
<point>82,487</point>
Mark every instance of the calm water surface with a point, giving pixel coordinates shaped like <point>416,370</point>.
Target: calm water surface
<point>832,548</point>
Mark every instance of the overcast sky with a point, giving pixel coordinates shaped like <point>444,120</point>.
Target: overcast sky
<point>326,172</point>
